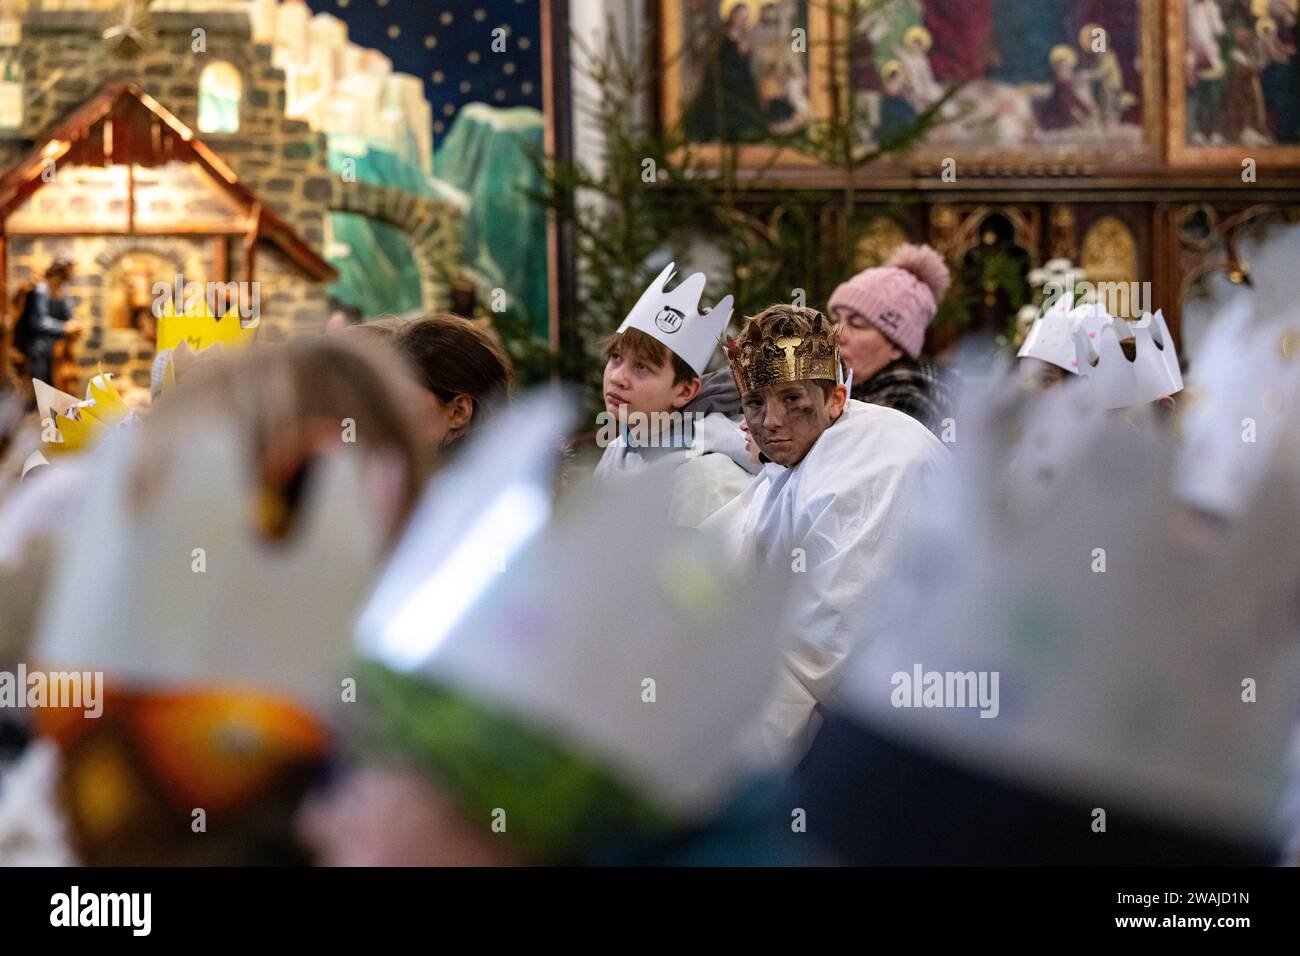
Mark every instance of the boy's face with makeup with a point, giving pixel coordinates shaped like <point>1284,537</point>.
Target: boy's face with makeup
<point>786,420</point>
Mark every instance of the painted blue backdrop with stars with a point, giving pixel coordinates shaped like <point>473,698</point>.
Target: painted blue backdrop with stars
<point>483,152</point>
<point>447,43</point>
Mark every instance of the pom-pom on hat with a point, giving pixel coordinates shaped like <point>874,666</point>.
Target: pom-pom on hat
<point>899,298</point>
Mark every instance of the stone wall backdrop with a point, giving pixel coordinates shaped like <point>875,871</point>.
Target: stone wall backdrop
<point>121,351</point>
<point>281,161</point>
<point>290,303</point>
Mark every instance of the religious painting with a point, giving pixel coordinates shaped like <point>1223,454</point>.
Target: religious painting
<point>744,72</point>
<point>1037,78</point>
<point>1234,81</point>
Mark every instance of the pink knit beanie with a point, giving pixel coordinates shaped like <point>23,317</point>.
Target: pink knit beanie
<point>900,297</point>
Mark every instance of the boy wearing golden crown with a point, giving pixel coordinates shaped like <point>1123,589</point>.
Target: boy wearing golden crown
<point>841,479</point>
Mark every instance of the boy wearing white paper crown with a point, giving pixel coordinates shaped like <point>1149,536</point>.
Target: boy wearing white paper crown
<point>1125,364</point>
<point>657,411</point>
<point>830,505</point>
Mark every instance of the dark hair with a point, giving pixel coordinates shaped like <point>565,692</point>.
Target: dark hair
<point>648,349</point>
<point>451,356</point>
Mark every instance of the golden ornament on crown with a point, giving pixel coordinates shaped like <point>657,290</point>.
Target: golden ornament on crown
<point>784,344</point>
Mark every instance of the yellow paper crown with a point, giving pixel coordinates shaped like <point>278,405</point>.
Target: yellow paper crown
<point>79,424</point>
<point>200,328</point>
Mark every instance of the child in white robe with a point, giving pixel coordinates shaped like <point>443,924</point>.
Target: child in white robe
<point>831,504</point>
<point>658,414</point>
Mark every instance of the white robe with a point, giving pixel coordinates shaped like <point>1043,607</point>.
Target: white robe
<point>707,474</point>
<point>840,515</point>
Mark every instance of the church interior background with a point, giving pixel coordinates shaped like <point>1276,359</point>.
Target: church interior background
<point>366,154</point>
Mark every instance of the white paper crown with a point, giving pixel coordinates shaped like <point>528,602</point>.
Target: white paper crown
<point>1270,260</point>
<point>474,519</point>
<point>1240,423</point>
<point>1120,644</point>
<point>133,596</point>
<point>675,319</point>
<point>1051,337</point>
<point>1090,318</point>
<point>1117,382</point>
<point>652,660</point>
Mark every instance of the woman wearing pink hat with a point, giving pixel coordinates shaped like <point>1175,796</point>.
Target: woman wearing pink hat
<point>883,314</point>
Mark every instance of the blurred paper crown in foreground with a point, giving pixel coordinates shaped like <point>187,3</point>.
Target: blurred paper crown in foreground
<point>676,319</point>
<point>1123,638</point>
<point>1117,380</point>
<point>1244,384</point>
<point>1269,261</point>
<point>78,425</point>
<point>542,636</point>
<point>221,651</point>
<point>762,359</point>
<point>194,595</point>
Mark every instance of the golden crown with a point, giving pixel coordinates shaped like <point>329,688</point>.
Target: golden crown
<point>783,358</point>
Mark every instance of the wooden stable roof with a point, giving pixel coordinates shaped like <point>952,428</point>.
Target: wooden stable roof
<point>122,124</point>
